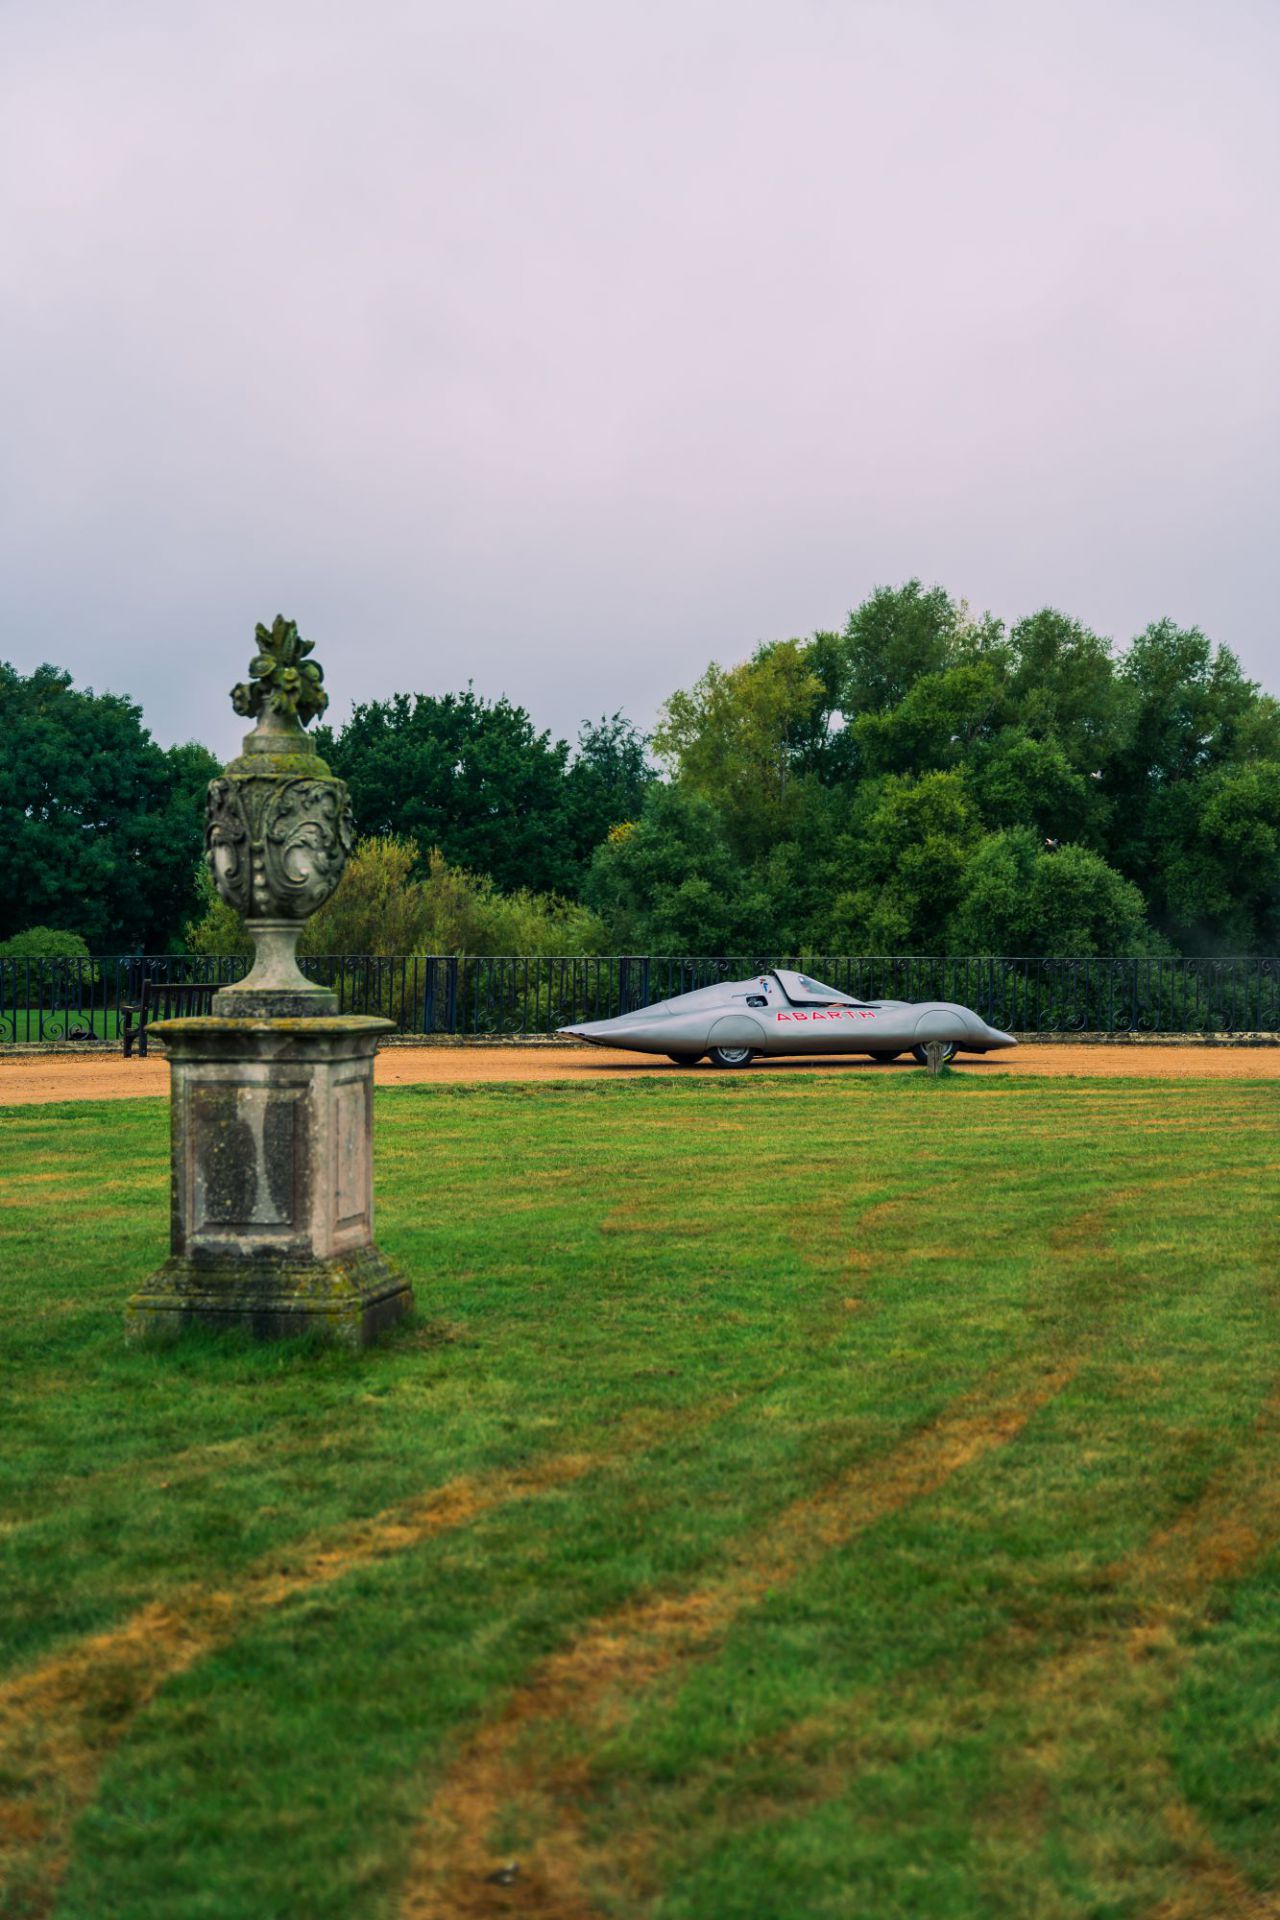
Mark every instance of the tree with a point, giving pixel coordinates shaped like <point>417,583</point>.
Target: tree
<point>739,738</point>
<point>670,882</point>
<point>609,777</point>
<point>1017,780</point>
<point>215,928</point>
<point>389,903</point>
<point>899,868</point>
<point>939,721</point>
<point>1217,879</point>
<point>469,776</point>
<point>1063,686</point>
<point>1193,716</point>
<point>378,907</point>
<point>1192,707</point>
<point>101,828</point>
<point>1017,898</point>
<point>899,635</point>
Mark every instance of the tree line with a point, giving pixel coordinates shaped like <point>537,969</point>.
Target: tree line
<point>920,781</point>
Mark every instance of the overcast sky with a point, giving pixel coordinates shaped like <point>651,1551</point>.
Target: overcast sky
<point>566,345</point>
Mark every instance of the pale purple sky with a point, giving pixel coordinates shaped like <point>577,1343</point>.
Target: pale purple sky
<point>568,344</point>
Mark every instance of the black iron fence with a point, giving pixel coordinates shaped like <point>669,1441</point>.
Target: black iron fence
<point>49,1000</point>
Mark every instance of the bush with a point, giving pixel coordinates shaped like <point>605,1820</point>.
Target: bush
<point>384,908</point>
<point>219,930</point>
<point>1020,899</point>
<point>44,943</point>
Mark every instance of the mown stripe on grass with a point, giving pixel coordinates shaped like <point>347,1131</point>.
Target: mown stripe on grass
<point>1173,1580</point>
<point>60,1721</point>
<point>1102,1697</point>
<point>1106,1696</point>
<point>1214,1889</point>
<point>452,1874</point>
<point>452,1868</point>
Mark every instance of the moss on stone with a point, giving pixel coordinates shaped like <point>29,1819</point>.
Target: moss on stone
<point>349,1298</point>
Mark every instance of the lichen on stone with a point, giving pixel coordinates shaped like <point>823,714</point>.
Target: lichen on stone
<point>282,678</point>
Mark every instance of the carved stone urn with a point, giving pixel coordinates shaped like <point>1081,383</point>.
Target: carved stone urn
<point>279,828</point>
<point>271,1212</point>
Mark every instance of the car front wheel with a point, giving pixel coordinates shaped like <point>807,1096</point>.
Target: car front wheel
<point>730,1056</point>
<point>949,1052</point>
<point>684,1059</point>
<point>883,1056</point>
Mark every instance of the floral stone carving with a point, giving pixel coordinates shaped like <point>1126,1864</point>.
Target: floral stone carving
<point>276,849</point>
<point>281,675</point>
<point>279,827</point>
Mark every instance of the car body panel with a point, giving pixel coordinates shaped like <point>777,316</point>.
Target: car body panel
<point>786,1012</point>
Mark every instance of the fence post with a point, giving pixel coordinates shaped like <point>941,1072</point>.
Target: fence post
<point>451,994</point>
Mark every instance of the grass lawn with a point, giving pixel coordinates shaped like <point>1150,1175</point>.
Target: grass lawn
<point>805,1497</point>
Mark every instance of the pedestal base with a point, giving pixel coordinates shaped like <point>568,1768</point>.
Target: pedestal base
<point>272,1183</point>
<point>349,1299</point>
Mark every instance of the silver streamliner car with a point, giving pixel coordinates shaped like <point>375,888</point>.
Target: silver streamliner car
<point>787,1012</point>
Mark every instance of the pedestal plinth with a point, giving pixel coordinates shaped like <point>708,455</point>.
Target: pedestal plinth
<point>272,1182</point>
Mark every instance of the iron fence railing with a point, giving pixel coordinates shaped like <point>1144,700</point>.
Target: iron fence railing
<point>49,1000</point>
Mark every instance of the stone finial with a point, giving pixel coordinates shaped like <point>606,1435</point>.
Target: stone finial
<point>282,679</point>
<point>278,826</point>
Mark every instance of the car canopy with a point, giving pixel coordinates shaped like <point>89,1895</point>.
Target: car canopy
<point>801,991</point>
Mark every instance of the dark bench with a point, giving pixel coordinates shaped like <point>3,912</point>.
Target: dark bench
<point>162,1000</point>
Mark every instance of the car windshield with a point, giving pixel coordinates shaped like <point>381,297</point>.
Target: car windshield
<point>801,990</point>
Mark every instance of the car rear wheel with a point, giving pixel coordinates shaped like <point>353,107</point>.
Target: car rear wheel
<point>730,1056</point>
<point>949,1052</point>
<point>684,1059</point>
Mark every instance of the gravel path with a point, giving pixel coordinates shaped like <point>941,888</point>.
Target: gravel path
<point>30,1078</point>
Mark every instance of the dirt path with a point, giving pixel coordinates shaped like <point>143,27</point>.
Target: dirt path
<point>27,1079</point>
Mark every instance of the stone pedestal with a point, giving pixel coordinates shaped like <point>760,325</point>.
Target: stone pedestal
<point>272,1182</point>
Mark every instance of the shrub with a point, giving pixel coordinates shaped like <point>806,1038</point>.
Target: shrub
<point>1020,899</point>
<point>44,943</point>
<point>384,907</point>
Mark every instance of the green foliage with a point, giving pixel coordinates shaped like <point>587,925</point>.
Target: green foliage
<point>44,943</point>
<point>1017,780</point>
<point>1217,882</point>
<point>669,881</point>
<point>738,738</point>
<point>388,904</point>
<point>475,779</point>
<point>925,782</point>
<point>920,781</point>
<point>1063,687</point>
<point>1190,792</point>
<point>937,723</point>
<point>897,637</point>
<point>1016,898</point>
<point>903,862</point>
<point>101,829</point>
<point>379,906</point>
<point>218,929</point>
<point>608,777</point>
